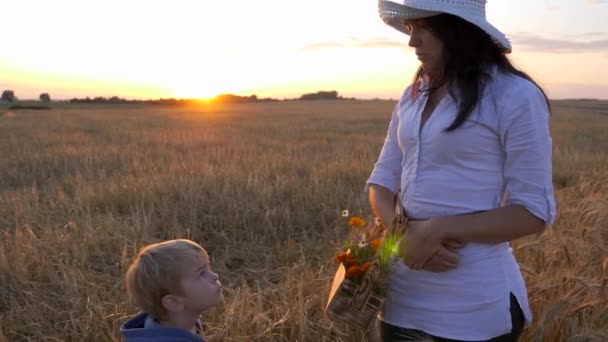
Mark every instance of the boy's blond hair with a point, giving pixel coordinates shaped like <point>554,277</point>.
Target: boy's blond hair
<point>157,271</point>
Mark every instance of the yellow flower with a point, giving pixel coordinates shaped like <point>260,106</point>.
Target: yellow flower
<point>356,221</point>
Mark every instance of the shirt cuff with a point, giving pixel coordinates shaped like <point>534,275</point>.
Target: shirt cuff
<point>541,206</point>
<point>390,184</point>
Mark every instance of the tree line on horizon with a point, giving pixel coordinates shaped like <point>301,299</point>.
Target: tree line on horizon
<point>9,96</point>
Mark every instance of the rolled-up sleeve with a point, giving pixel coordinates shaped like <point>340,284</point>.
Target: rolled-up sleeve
<point>387,171</point>
<point>527,146</point>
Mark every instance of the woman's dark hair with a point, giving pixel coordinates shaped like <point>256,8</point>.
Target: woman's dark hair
<point>468,50</point>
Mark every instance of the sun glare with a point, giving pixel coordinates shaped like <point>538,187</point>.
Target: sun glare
<point>196,92</point>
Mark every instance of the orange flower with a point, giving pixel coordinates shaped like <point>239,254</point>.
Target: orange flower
<point>346,258</point>
<point>365,266</point>
<point>350,261</point>
<point>354,271</point>
<point>356,221</point>
<point>375,244</point>
<point>342,257</point>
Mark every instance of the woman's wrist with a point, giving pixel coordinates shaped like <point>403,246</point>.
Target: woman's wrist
<point>438,225</point>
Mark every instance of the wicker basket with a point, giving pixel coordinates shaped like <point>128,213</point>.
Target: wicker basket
<point>355,303</point>
<point>358,303</point>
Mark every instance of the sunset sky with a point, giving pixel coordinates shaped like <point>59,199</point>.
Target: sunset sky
<point>272,48</point>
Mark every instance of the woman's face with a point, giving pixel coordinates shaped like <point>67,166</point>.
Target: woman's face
<point>429,49</point>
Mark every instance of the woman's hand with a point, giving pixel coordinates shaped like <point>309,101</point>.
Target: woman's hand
<point>423,243</point>
<point>445,259</point>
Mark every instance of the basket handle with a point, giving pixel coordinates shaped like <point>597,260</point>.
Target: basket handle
<point>400,221</point>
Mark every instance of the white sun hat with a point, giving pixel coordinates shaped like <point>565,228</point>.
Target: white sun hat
<point>473,11</point>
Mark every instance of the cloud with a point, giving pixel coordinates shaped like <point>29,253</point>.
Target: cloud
<point>590,35</point>
<point>551,8</point>
<point>356,43</point>
<point>384,43</point>
<point>320,46</point>
<point>576,90</point>
<point>578,43</point>
<point>532,42</point>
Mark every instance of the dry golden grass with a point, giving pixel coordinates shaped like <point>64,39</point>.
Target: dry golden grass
<point>261,186</point>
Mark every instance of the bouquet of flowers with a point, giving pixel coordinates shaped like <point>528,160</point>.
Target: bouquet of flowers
<point>359,286</point>
<point>359,251</point>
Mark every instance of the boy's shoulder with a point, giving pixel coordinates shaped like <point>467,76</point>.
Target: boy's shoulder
<point>143,328</point>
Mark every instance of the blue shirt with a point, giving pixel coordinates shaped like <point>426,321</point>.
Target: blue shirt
<point>143,328</point>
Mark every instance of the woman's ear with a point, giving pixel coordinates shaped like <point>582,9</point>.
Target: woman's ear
<point>172,303</point>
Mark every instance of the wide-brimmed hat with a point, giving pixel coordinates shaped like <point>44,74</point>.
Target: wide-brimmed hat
<point>473,11</point>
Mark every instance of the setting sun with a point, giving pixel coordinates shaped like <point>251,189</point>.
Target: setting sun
<point>195,91</point>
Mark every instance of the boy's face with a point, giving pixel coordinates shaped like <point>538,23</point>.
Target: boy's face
<point>201,288</point>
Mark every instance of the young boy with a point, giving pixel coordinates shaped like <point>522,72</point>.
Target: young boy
<point>172,283</point>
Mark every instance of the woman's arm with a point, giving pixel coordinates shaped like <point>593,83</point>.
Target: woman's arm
<point>382,201</point>
<point>424,239</point>
<point>494,226</point>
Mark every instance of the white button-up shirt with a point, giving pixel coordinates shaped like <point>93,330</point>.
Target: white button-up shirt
<point>504,146</point>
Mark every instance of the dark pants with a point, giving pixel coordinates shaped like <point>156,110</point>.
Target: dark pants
<point>391,333</point>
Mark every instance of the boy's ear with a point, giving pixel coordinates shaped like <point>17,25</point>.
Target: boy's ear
<point>172,303</point>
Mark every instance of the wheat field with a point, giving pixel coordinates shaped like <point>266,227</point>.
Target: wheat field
<point>261,187</point>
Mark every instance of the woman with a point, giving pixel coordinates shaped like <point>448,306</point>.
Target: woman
<point>470,128</point>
